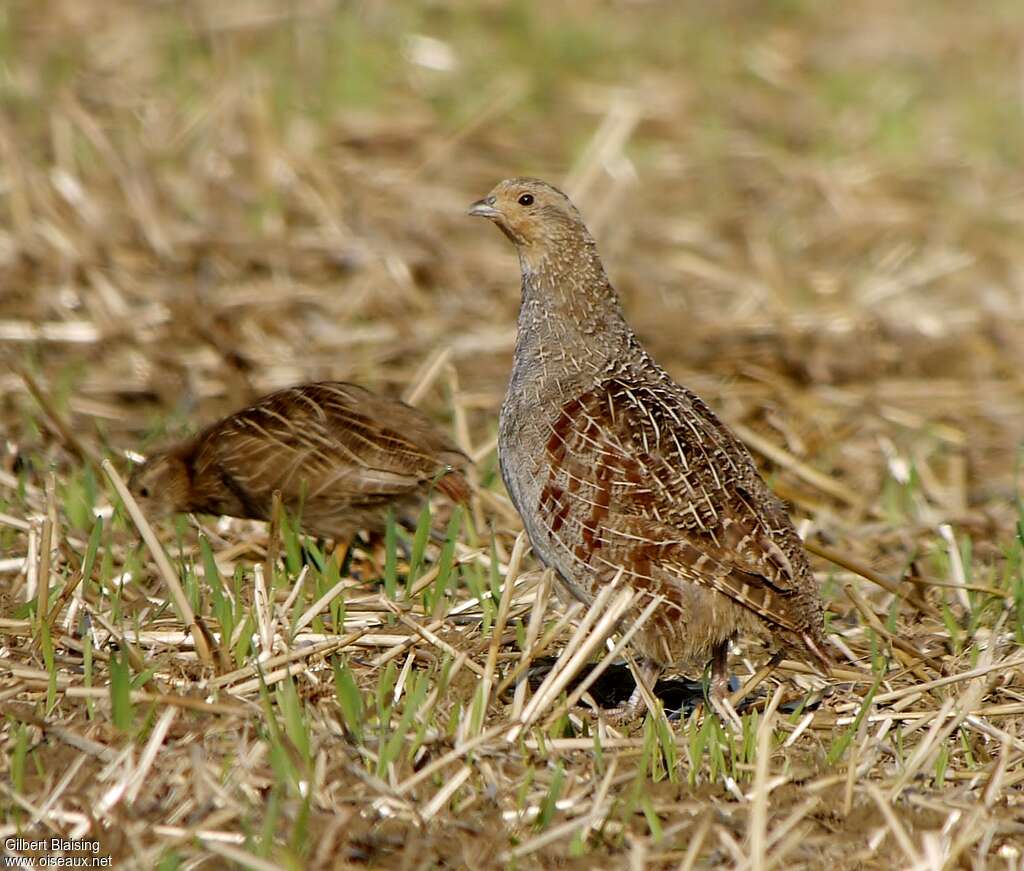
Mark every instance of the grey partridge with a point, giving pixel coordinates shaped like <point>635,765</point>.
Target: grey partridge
<point>339,454</point>
<point>614,466</point>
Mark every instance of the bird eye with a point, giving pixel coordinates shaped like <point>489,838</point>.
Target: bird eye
<point>144,492</point>
<point>526,200</point>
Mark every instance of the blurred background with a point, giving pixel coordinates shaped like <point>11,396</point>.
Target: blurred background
<point>813,213</point>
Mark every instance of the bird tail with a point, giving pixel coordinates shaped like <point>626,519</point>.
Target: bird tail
<point>455,487</point>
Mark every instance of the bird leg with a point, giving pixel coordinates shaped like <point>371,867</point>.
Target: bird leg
<point>649,672</point>
<point>719,688</point>
<point>718,692</point>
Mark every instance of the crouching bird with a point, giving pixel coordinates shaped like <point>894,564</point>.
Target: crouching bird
<point>339,454</point>
<point>615,467</point>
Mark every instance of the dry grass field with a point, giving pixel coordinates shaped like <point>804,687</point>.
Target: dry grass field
<point>815,215</point>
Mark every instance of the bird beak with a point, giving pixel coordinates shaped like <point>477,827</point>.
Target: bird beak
<point>484,209</point>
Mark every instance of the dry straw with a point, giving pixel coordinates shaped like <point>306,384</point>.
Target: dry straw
<point>262,197</point>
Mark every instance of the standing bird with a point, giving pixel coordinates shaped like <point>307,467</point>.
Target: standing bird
<point>339,454</point>
<point>613,466</point>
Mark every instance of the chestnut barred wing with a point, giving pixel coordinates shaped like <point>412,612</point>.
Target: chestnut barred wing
<point>645,478</point>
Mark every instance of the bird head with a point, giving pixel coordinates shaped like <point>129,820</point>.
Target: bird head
<point>532,213</point>
<point>161,485</point>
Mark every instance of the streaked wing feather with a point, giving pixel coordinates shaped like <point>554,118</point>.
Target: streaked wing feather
<point>329,436</point>
<point>630,487</point>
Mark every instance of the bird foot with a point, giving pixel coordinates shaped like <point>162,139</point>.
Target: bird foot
<point>648,673</point>
<point>623,715</point>
<point>719,688</point>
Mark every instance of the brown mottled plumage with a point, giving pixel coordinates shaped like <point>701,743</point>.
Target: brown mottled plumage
<point>339,454</point>
<point>613,465</point>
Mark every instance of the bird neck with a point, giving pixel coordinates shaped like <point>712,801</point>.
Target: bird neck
<point>571,324</point>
